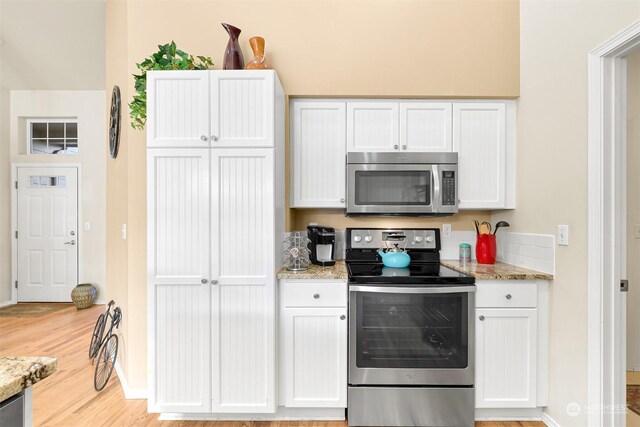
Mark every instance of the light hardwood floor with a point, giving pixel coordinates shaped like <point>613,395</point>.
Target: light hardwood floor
<point>67,398</point>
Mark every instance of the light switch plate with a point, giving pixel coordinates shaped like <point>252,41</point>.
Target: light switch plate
<point>563,235</point>
<point>446,230</point>
<point>87,226</point>
<point>124,231</point>
<point>637,231</point>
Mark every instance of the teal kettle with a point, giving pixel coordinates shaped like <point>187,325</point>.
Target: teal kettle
<point>395,257</point>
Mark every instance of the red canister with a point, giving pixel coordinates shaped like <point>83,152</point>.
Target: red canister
<point>486,249</point>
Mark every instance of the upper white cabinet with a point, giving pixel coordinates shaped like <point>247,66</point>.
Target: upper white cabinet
<point>242,108</point>
<point>178,109</point>
<point>210,108</point>
<point>318,143</point>
<point>484,137</point>
<point>425,126</point>
<point>372,126</point>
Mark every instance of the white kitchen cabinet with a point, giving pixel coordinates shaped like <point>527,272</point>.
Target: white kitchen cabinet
<point>318,144</point>
<point>506,360</point>
<point>484,137</point>
<point>178,259</point>
<point>213,217</point>
<point>313,345</point>
<point>425,126</point>
<point>242,113</point>
<point>372,126</point>
<point>315,354</point>
<point>178,109</point>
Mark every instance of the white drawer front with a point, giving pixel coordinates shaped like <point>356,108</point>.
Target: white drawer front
<point>315,294</point>
<point>506,294</point>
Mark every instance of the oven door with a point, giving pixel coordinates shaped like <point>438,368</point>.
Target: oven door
<point>392,189</point>
<point>411,335</point>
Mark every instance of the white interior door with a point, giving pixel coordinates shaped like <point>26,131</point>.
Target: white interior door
<point>47,237</point>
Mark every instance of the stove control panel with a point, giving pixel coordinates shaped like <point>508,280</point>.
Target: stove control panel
<point>408,238</point>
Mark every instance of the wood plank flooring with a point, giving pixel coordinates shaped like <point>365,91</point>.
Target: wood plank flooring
<point>67,398</point>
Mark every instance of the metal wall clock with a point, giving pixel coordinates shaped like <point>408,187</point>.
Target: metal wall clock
<point>114,122</point>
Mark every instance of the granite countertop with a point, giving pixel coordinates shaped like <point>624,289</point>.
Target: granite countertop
<point>18,373</point>
<point>497,271</point>
<point>315,272</point>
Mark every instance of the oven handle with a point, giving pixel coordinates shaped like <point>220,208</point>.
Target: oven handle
<point>424,290</point>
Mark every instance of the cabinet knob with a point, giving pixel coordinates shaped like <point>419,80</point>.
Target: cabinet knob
<point>214,282</point>
<point>481,318</point>
<point>343,317</point>
<point>214,138</point>
<point>395,146</point>
<point>404,147</point>
<point>204,281</point>
<point>341,200</point>
<point>204,138</point>
<point>316,296</point>
<point>508,296</point>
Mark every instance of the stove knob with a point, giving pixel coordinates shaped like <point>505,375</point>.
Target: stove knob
<point>357,239</point>
<point>368,239</point>
<point>429,239</point>
<point>418,239</point>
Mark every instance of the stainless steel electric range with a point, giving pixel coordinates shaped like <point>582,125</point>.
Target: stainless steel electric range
<point>411,333</point>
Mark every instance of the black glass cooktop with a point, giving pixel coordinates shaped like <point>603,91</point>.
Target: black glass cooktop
<point>416,273</point>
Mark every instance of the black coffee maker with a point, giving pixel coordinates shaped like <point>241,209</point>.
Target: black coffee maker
<point>322,246</point>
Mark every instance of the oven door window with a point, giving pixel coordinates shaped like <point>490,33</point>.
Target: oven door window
<point>392,188</point>
<point>411,330</point>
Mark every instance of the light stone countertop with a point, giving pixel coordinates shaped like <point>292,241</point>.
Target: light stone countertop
<point>497,271</point>
<point>20,372</point>
<point>315,272</point>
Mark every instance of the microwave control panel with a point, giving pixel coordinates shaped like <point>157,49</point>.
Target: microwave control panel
<point>448,188</point>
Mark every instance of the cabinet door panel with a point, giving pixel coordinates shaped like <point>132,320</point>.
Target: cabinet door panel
<point>318,144</point>
<point>372,126</point>
<point>179,344</point>
<point>479,135</point>
<point>242,108</point>
<point>178,215</point>
<point>506,358</point>
<point>315,350</point>
<point>425,126</point>
<point>177,109</point>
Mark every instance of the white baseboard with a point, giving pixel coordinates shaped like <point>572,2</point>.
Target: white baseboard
<point>6,303</point>
<point>129,393</point>
<point>281,414</point>
<point>508,414</point>
<point>550,422</point>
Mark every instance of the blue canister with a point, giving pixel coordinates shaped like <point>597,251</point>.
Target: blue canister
<point>465,253</point>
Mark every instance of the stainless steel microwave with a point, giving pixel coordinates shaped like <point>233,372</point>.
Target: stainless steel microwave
<point>408,184</point>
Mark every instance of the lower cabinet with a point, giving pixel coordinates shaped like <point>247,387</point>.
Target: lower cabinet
<point>313,344</point>
<point>511,344</point>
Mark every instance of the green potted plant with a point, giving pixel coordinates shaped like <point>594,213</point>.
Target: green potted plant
<point>168,57</point>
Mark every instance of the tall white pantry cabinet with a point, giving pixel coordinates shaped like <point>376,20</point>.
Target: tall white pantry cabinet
<point>215,204</point>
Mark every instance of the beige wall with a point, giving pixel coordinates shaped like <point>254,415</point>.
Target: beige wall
<point>633,211</point>
<point>328,48</point>
<point>552,168</point>
<point>36,53</point>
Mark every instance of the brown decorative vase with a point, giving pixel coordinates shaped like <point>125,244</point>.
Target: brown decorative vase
<point>233,59</point>
<point>258,62</point>
<point>84,295</point>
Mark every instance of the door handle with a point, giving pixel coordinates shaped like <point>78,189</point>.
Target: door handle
<point>70,242</point>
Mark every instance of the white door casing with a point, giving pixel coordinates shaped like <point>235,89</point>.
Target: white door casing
<point>242,113</point>
<point>178,109</point>
<point>178,194</point>
<point>243,329</point>
<point>318,145</point>
<point>372,126</point>
<point>47,233</point>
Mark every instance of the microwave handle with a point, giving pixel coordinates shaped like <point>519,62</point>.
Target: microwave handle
<point>421,290</point>
<point>435,188</point>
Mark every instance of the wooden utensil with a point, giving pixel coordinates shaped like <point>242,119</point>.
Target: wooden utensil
<point>485,228</point>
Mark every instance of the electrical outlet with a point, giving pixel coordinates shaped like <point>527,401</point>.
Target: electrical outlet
<point>446,230</point>
<point>124,231</point>
<point>563,235</point>
<point>87,226</point>
<point>637,231</point>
